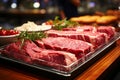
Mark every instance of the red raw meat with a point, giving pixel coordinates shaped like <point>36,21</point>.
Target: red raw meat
<point>77,47</point>
<point>15,50</point>
<point>39,44</point>
<point>31,53</point>
<point>109,30</point>
<point>95,38</point>
<point>81,29</point>
<point>58,59</point>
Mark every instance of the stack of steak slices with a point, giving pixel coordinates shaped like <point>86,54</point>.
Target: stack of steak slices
<point>95,36</point>
<point>109,30</point>
<point>77,47</point>
<point>31,53</point>
<point>60,47</point>
<point>80,28</point>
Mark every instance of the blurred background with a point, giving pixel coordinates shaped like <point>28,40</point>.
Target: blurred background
<point>16,12</point>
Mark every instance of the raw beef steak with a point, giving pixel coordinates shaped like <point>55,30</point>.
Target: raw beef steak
<point>77,47</point>
<point>109,30</point>
<point>95,38</point>
<point>31,53</point>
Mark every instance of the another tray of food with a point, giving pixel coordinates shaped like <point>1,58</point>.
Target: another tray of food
<point>60,50</point>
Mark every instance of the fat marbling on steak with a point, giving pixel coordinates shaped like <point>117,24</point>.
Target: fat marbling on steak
<point>81,28</point>
<point>109,30</point>
<point>77,47</point>
<point>31,53</point>
<point>95,38</point>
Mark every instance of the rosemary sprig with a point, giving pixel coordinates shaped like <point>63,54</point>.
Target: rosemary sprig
<point>30,36</point>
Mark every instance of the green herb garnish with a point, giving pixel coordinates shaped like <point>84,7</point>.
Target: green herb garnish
<point>60,24</point>
<point>30,36</point>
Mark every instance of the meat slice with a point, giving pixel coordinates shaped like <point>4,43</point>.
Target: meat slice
<point>39,43</point>
<point>58,57</point>
<point>18,51</point>
<point>77,47</point>
<point>109,30</point>
<point>95,38</point>
<point>31,53</point>
<point>81,28</point>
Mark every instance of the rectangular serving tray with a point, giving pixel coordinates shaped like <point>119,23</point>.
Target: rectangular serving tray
<point>55,73</point>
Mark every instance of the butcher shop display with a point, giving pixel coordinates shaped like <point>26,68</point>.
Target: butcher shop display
<point>61,49</point>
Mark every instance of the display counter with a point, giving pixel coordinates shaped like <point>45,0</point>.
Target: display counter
<point>98,70</point>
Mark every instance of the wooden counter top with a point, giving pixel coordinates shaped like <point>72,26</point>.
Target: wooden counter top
<point>92,73</point>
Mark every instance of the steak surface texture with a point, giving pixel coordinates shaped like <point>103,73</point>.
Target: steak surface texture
<point>77,47</point>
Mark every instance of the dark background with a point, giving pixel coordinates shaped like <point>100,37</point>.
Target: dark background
<point>12,17</point>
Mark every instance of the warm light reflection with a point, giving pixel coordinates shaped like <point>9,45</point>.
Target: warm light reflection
<point>13,5</point>
<point>36,5</point>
